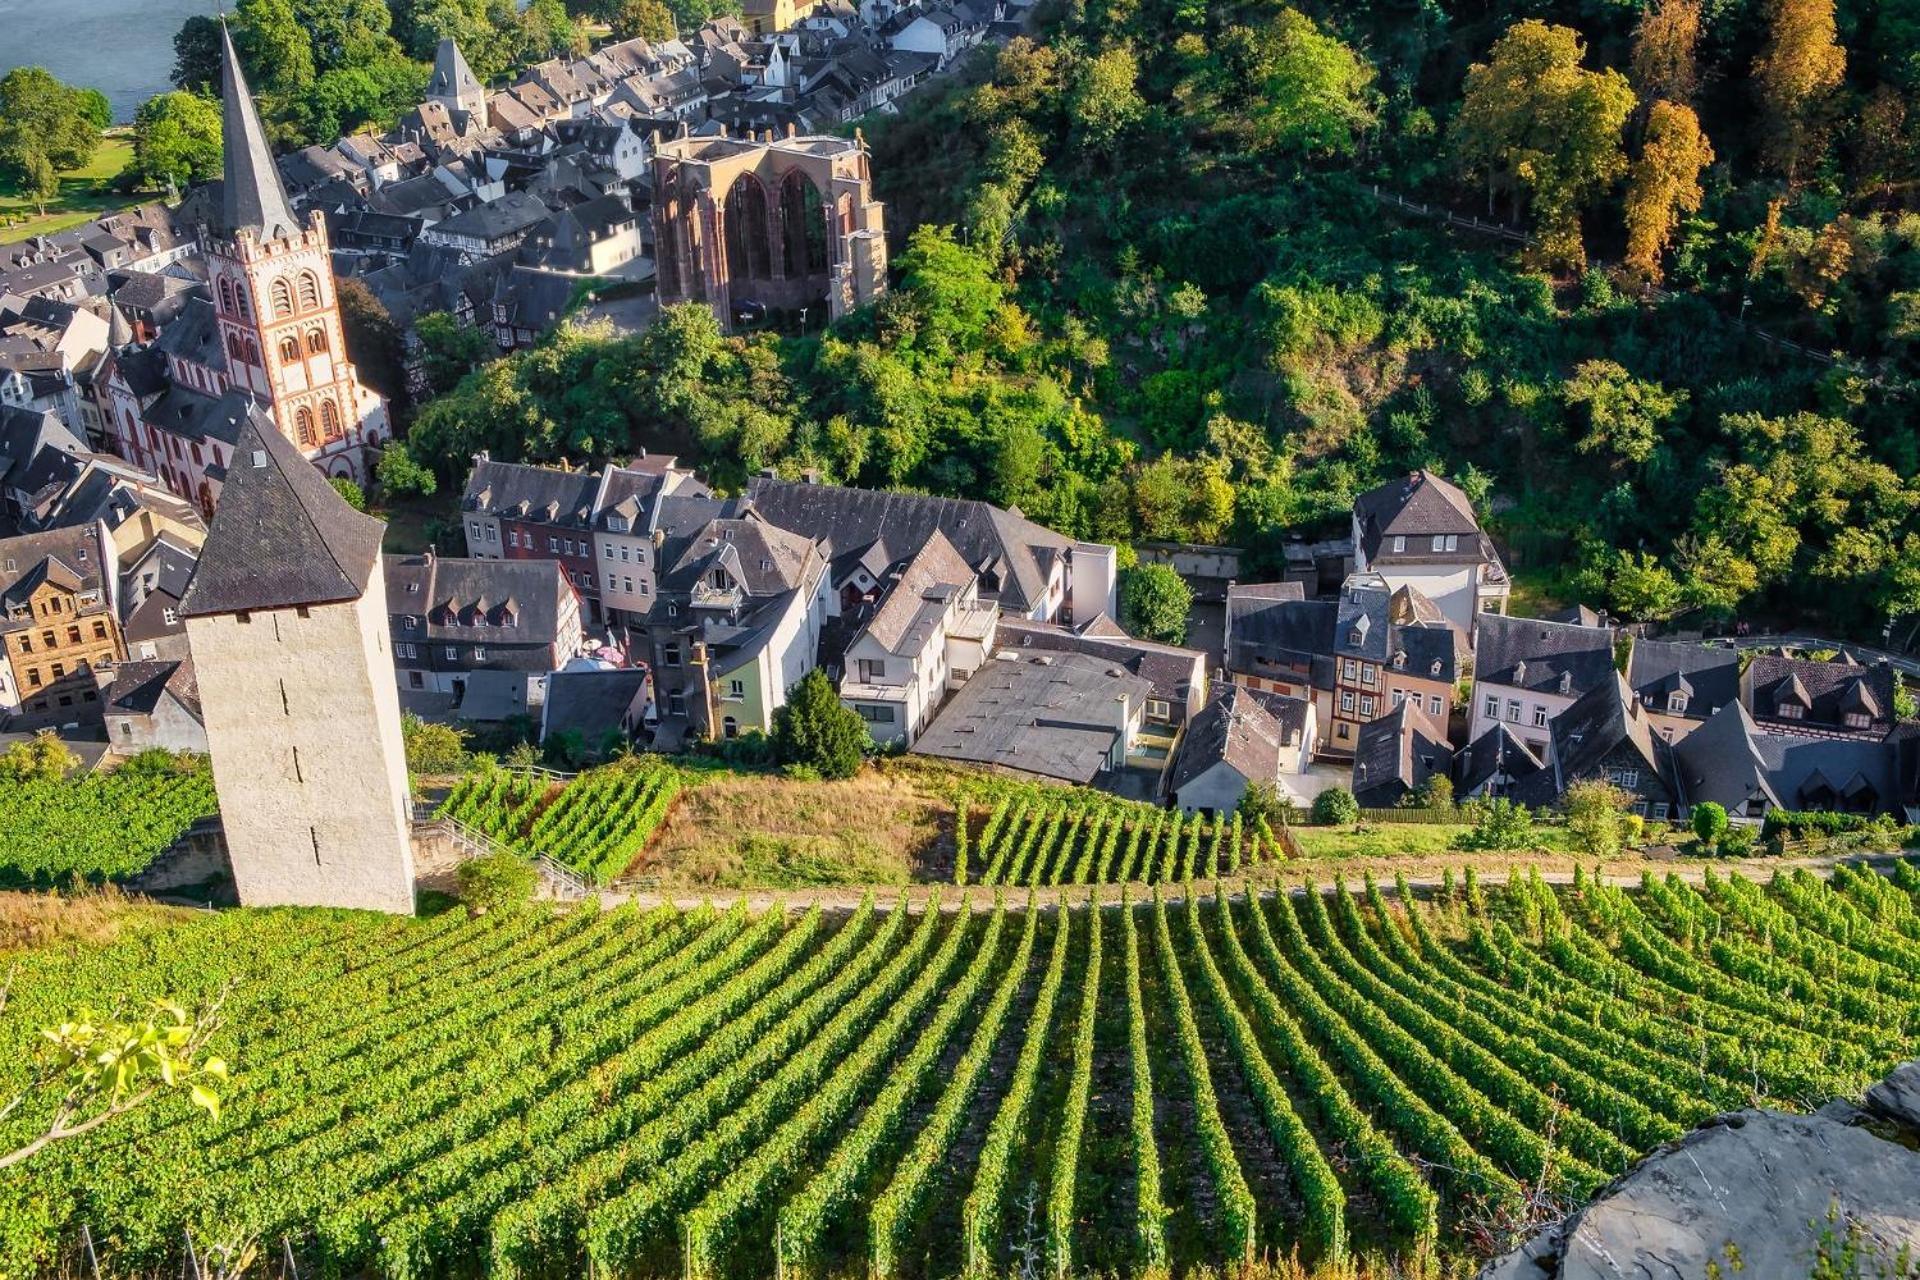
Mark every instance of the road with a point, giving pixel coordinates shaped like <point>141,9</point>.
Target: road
<point>840,898</point>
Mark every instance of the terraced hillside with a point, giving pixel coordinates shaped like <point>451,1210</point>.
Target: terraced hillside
<point>1186,1081</point>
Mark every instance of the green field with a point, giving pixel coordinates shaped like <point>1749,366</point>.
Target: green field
<point>101,826</point>
<point>85,194</point>
<point>1173,1085</point>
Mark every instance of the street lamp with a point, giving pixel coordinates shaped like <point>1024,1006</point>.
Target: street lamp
<point>803,322</point>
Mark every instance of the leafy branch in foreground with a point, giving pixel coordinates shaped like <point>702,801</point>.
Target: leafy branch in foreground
<point>111,1064</point>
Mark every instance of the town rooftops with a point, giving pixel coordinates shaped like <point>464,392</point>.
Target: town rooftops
<point>71,559</point>
<point>1605,721</point>
<point>590,703</point>
<point>924,583</point>
<point>500,604</point>
<point>1418,507</point>
<point>283,537</point>
<point>537,495</point>
<point>1496,753</point>
<point>139,686</point>
<point>1683,679</point>
<point>514,213</point>
<point>1396,754</point>
<point>1170,669</point>
<point>1732,761</point>
<point>1841,696</point>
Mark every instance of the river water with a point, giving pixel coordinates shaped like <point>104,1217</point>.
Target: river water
<point>124,48</point>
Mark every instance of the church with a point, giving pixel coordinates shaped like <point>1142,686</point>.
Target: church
<point>265,335</point>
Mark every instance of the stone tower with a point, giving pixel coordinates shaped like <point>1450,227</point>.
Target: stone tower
<point>274,295</point>
<point>287,619</point>
<point>453,83</point>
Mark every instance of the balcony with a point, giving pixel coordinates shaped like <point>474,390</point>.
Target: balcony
<point>707,596</point>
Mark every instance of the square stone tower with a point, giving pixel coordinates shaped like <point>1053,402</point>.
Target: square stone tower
<point>287,620</point>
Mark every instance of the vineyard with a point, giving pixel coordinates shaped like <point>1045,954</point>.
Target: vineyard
<point>983,1087</point>
<point>102,826</point>
<point>1033,839</point>
<point>597,824</point>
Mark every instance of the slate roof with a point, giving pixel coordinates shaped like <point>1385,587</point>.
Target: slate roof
<point>282,536</point>
<point>1235,729</point>
<point>1396,754</point>
<point>1545,657</point>
<point>1828,690</point>
<point>538,495</point>
<point>195,415</point>
<point>1497,751</point>
<point>1709,678</point>
<point>71,557</point>
<point>27,436</point>
<point>590,703</point>
<point>921,587</point>
<point>504,605</point>
<point>1266,631</point>
<point>451,75</point>
<point>251,195</point>
<point>514,213</point>
<point>1415,506</point>
<point>1018,553</point>
<point>1170,669</point>
<point>1603,723</point>
<point>763,558</point>
<point>194,336</point>
<point>138,686</point>
<point>1731,759</point>
<point>1054,716</point>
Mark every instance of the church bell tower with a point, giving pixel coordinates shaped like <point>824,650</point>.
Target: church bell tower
<point>277,302</point>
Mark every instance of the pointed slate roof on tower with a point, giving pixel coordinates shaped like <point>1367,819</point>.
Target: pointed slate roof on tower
<point>452,78</point>
<point>251,195</point>
<point>282,535</point>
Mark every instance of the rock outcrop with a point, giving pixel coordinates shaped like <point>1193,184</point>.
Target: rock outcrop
<point>1767,1189</point>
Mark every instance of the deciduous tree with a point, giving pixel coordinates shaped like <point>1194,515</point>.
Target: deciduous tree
<point>1105,99</point>
<point>1154,603</point>
<point>40,115</point>
<point>196,56</point>
<point>1623,413</point>
<point>1794,77</point>
<point>1664,183</point>
<point>1664,64</point>
<point>176,139</point>
<point>1534,121</point>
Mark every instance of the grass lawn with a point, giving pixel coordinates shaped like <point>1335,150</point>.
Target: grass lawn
<point>1402,839</point>
<point>1536,593</point>
<point>85,194</point>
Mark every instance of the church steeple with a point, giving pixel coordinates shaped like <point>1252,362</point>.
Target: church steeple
<point>453,81</point>
<point>253,198</point>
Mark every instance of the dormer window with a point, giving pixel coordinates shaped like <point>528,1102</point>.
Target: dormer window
<point>1434,670</point>
<point>1400,661</point>
<point>1856,720</point>
<point>1399,542</point>
<point>1677,703</point>
<point>1790,711</point>
<point>617,524</point>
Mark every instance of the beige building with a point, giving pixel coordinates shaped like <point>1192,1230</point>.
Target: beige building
<point>788,223</point>
<point>58,624</point>
<point>287,619</point>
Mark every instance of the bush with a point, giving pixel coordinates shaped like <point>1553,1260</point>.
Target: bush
<point>1262,803</point>
<point>42,758</point>
<point>1813,822</point>
<point>1336,807</point>
<point>1499,824</point>
<point>1596,813</point>
<point>1436,793</point>
<point>815,732</point>
<point>1709,823</point>
<point>355,496</point>
<point>1154,602</point>
<point>496,881</point>
<point>433,748</point>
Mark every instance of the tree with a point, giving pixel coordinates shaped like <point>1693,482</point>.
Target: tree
<point>400,476</point>
<point>813,730</point>
<point>355,496</point>
<point>495,882</point>
<point>1623,413</point>
<point>1105,100</point>
<point>273,46</point>
<point>374,342</point>
<point>1664,63</point>
<point>1639,586</point>
<point>645,19</point>
<point>1498,824</point>
<point>41,116</point>
<point>1534,122</point>
<point>110,1064</point>
<point>1596,816</point>
<point>42,758</point>
<point>176,139</point>
<point>196,56</point>
<point>433,748</point>
<point>1794,77</point>
<point>1154,603</point>
<point>38,182</point>
<point>951,291</point>
<point>1310,91</point>
<point>1436,793</point>
<point>449,350</point>
<point>1663,184</point>
<point>1709,823</point>
<point>95,107</point>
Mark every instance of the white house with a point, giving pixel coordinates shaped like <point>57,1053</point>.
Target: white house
<point>1420,532</point>
<point>1529,670</point>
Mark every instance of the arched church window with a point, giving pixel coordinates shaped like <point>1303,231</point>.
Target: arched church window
<point>235,351</point>
<point>226,295</point>
<point>309,291</point>
<point>330,419</point>
<point>282,294</point>
<point>289,348</point>
<point>253,352</point>
<point>303,423</point>
<point>240,303</point>
<point>316,340</point>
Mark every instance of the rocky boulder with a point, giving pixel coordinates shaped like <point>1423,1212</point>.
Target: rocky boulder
<point>1770,1190</point>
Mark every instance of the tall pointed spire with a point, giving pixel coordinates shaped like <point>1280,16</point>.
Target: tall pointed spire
<point>253,197</point>
<point>453,80</point>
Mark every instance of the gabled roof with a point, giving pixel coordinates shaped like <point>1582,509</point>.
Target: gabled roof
<point>282,536</point>
<point>539,495</point>
<point>1497,751</point>
<point>1017,552</point>
<point>930,577</point>
<point>1731,759</point>
<point>501,604</point>
<point>251,194</point>
<point>138,686</point>
<point>1546,657</point>
<point>1396,754</point>
<point>71,558</point>
<point>590,703</point>
<point>451,75</point>
<point>1829,691</point>
<point>1417,505</point>
<point>1708,678</point>
<point>1234,729</point>
<point>1601,724</point>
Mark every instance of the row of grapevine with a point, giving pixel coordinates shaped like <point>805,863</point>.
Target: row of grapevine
<point>723,1092</point>
<point>1032,843</point>
<point>99,827</point>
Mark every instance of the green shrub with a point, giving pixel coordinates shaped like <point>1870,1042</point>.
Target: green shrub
<point>1336,807</point>
<point>496,881</point>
